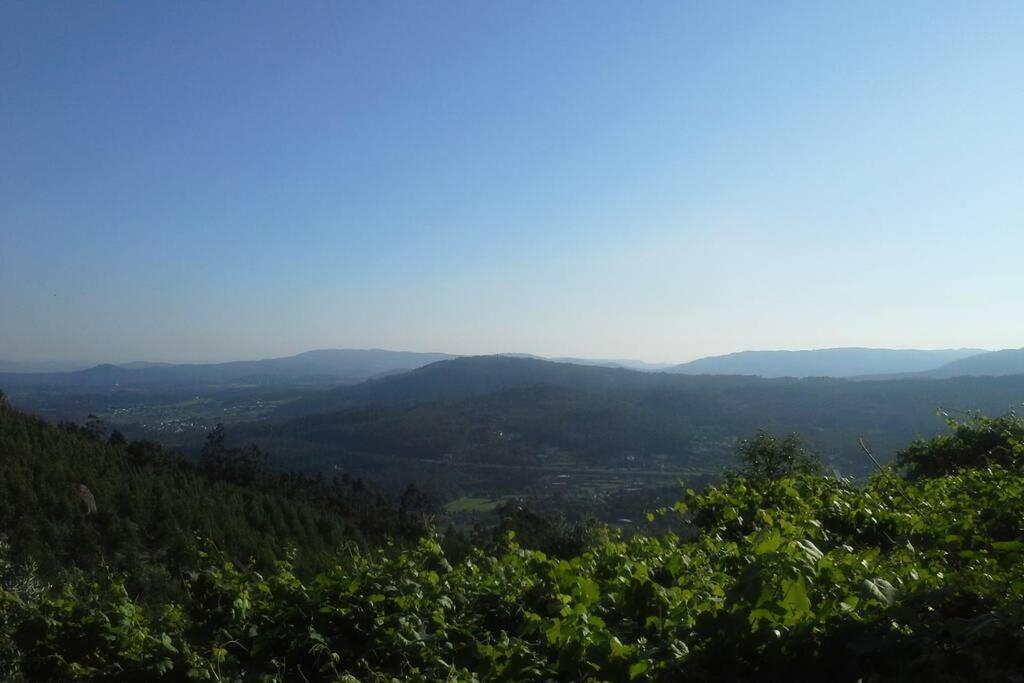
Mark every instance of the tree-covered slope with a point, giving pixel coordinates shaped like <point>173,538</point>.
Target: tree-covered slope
<point>597,417</point>
<point>478,375</point>
<point>70,500</point>
<point>777,574</point>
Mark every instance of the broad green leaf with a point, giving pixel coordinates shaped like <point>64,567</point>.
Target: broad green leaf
<point>637,670</point>
<point>767,542</point>
<point>1008,546</point>
<point>795,599</point>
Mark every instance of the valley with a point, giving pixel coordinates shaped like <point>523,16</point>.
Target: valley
<point>476,433</point>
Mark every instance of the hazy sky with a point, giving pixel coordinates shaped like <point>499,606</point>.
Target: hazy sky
<point>208,181</point>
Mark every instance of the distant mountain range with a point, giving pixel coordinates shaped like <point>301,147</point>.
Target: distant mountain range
<point>352,366</point>
<point>469,376</point>
<point>512,410</point>
<point>993,363</point>
<point>325,366</point>
<point>44,365</point>
<point>840,362</point>
<point>330,366</point>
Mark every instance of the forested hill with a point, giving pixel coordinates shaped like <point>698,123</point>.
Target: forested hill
<point>70,499</point>
<point>477,375</point>
<point>513,412</point>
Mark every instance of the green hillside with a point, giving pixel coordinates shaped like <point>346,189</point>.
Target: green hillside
<point>522,412</point>
<point>70,500</point>
<point>777,574</point>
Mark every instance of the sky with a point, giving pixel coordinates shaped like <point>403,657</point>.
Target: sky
<point>195,181</point>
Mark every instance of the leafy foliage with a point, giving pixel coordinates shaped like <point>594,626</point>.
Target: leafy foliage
<point>979,442</point>
<point>897,579</point>
<point>17,582</point>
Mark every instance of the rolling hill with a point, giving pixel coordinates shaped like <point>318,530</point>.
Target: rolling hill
<point>524,412</point>
<point>469,376</point>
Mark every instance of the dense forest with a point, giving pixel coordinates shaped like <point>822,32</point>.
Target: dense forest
<point>780,571</point>
<point>79,497</point>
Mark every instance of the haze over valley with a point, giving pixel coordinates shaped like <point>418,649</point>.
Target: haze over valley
<point>456,426</point>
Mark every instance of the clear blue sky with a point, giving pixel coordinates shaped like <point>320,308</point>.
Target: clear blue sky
<point>220,180</point>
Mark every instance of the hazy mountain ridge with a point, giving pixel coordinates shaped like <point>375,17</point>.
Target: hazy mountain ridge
<point>992,363</point>
<point>354,366</point>
<point>626,363</point>
<point>321,366</point>
<point>836,362</point>
<point>43,366</point>
<point>344,366</point>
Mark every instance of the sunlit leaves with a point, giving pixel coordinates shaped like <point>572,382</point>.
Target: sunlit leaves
<point>898,578</point>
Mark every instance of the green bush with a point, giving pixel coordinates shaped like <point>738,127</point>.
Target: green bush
<point>799,577</point>
<point>977,442</point>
